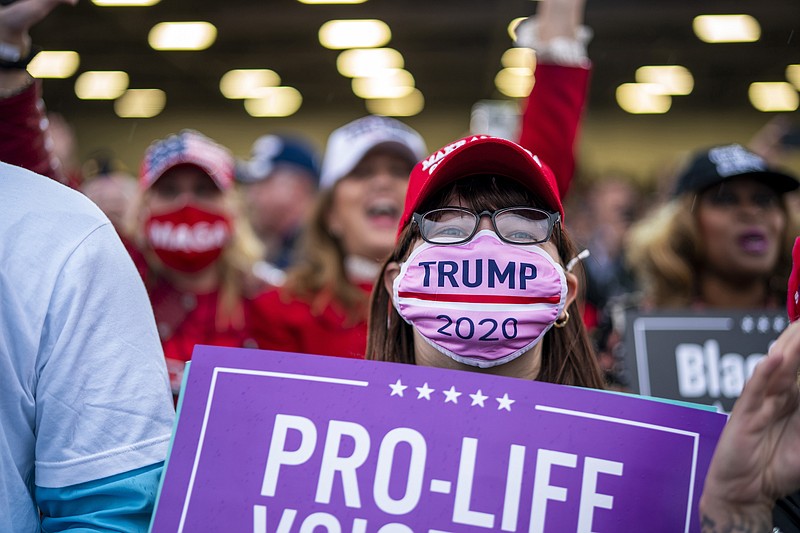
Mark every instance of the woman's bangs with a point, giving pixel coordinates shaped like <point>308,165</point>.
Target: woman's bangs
<point>483,193</point>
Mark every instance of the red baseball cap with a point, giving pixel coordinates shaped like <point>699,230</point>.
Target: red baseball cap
<point>480,154</point>
<point>793,294</point>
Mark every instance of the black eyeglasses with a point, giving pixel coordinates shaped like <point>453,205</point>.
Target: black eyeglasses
<point>514,225</point>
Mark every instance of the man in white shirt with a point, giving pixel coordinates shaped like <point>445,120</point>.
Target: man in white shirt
<point>85,407</point>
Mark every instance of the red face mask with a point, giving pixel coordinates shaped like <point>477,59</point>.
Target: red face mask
<point>188,239</point>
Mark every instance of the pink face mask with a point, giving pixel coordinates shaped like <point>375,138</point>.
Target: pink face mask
<point>188,239</point>
<point>482,303</point>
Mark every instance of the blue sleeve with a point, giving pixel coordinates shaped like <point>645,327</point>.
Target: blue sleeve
<point>123,503</point>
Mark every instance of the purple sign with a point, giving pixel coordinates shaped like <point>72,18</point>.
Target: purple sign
<point>276,442</point>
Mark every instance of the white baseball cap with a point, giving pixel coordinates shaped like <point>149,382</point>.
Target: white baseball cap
<point>348,145</point>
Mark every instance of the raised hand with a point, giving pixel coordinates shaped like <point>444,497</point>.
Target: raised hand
<point>757,459</point>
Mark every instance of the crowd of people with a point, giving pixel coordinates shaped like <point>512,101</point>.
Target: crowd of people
<point>279,251</point>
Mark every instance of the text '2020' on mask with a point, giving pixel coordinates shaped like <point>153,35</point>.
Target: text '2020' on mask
<point>188,239</point>
<point>482,303</point>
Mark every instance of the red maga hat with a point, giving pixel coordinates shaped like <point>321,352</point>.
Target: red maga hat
<point>480,154</point>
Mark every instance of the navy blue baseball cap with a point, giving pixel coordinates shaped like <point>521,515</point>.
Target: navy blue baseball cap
<point>271,151</point>
<point>722,163</point>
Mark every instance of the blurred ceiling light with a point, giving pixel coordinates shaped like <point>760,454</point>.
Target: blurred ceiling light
<point>125,3</point>
<point>366,33</point>
<point>242,83</point>
<point>518,58</point>
<point>773,96</point>
<point>407,106</point>
<point>54,64</point>
<point>726,28</point>
<point>182,35</point>
<point>512,27</point>
<point>387,83</point>
<point>643,98</point>
<point>364,62</point>
<point>101,85</point>
<point>140,103</point>
<point>316,2</point>
<point>673,79</point>
<point>793,75</point>
<point>515,82</point>
<point>274,102</point>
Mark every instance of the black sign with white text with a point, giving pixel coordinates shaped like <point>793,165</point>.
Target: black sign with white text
<point>697,356</point>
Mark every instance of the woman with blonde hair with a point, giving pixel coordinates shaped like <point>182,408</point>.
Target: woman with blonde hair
<point>723,240</point>
<point>322,308</point>
<point>193,247</point>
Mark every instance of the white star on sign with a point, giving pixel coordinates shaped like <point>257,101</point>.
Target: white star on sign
<point>478,398</point>
<point>451,395</point>
<point>424,391</point>
<point>505,402</point>
<point>748,324</point>
<point>397,388</point>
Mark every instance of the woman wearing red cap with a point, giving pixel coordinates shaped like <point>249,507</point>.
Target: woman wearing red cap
<point>480,275</point>
<point>480,280</point>
<point>193,247</point>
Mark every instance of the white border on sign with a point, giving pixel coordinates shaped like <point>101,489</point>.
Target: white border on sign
<point>645,425</point>
<point>357,383</point>
<point>263,373</point>
<point>642,324</point>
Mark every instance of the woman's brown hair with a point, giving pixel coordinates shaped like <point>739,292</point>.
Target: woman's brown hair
<point>567,354</point>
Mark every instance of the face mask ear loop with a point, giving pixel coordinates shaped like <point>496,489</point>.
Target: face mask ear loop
<point>575,260</point>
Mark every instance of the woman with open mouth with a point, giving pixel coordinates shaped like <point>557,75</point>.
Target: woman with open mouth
<point>322,308</point>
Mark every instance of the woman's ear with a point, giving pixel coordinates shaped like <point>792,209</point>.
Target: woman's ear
<point>389,274</point>
<point>572,288</point>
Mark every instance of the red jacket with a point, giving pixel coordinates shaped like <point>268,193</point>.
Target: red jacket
<point>284,323</point>
<point>185,319</point>
<point>551,121</point>
<point>23,134</point>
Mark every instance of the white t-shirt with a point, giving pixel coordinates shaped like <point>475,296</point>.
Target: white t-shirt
<point>84,392</point>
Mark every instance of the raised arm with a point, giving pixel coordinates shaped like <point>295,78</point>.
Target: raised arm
<point>23,140</point>
<point>551,120</point>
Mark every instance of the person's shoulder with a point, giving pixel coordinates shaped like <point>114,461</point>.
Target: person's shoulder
<point>26,191</point>
<point>34,204</point>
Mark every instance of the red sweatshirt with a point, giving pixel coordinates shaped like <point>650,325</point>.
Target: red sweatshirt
<point>289,324</point>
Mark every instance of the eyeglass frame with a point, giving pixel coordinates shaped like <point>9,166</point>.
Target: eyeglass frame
<point>553,220</point>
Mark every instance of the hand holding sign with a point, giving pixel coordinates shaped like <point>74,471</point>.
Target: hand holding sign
<point>756,460</point>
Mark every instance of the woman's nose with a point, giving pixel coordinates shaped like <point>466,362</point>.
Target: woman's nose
<point>750,208</point>
<point>381,178</point>
<point>485,223</point>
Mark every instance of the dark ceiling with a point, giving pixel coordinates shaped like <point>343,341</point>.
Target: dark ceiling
<point>452,48</point>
